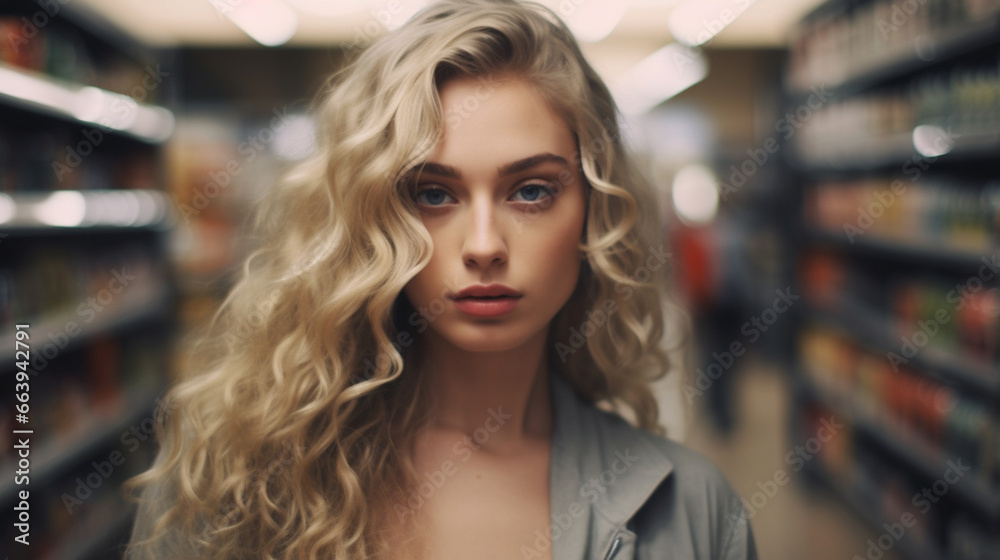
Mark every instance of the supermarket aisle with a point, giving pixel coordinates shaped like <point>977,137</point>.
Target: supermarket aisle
<point>795,523</point>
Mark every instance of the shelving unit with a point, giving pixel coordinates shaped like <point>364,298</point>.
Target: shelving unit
<point>898,336</point>
<point>84,226</point>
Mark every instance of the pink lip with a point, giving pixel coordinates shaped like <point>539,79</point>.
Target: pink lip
<point>486,301</point>
<point>480,291</point>
<point>486,307</point>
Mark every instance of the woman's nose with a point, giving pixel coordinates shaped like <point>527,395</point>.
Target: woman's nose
<point>485,242</point>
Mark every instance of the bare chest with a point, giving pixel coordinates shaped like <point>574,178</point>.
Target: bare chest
<point>474,505</point>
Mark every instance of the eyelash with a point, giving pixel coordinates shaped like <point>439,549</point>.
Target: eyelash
<point>549,188</point>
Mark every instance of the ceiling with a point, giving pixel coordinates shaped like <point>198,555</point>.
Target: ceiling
<point>642,30</point>
<point>764,23</point>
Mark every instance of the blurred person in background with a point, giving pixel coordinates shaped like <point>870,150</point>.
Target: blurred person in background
<point>713,275</point>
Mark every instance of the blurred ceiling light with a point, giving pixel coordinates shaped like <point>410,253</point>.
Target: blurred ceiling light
<point>695,194</point>
<point>665,73</point>
<point>932,141</point>
<point>269,22</point>
<point>61,208</point>
<point>678,134</point>
<point>590,20</point>
<point>297,139</point>
<point>328,8</point>
<point>7,208</point>
<point>695,22</point>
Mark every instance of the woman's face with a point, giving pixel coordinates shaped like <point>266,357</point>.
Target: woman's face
<point>504,202</point>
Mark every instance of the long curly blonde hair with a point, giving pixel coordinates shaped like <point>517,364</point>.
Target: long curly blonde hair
<point>291,435</point>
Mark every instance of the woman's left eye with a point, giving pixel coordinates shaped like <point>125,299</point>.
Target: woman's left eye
<point>535,192</point>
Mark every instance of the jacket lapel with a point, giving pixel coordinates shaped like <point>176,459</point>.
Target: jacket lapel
<point>602,471</point>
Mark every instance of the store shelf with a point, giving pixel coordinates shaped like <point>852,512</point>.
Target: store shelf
<point>65,98</point>
<point>87,106</point>
<point>55,457</point>
<point>875,334</point>
<point>883,153</point>
<point>137,305</point>
<point>936,49</point>
<point>80,211</point>
<point>851,499</point>
<point>908,251</point>
<point>918,454</point>
<point>909,102</point>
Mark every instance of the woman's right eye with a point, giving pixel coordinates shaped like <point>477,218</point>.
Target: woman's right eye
<point>432,197</point>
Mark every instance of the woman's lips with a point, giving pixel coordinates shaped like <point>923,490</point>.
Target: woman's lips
<point>487,306</point>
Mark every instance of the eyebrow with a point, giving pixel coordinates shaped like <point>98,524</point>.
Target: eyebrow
<point>502,171</point>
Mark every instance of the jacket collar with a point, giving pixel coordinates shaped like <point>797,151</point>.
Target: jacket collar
<point>602,471</point>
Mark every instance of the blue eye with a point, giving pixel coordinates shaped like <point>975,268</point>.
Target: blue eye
<point>432,197</point>
<point>535,192</point>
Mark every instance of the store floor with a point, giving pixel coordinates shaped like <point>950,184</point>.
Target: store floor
<point>796,523</point>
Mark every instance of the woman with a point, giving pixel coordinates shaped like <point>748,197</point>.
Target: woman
<point>409,366</point>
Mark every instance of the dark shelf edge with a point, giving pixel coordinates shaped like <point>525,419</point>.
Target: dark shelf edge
<point>146,401</point>
<point>871,243</point>
<point>975,493</point>
<point>157,304</point>
<point>849,498</point>
<point>872,334</point>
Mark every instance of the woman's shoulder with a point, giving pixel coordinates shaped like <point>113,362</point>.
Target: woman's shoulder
<point>611,432</point>
<point>680,503</point>
<point>694,511</point>
<point>700,475</point>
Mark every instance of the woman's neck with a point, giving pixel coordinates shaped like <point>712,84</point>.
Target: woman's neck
<point>500,399</point>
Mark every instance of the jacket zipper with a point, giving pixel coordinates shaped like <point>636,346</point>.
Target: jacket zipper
<point>614,548</point>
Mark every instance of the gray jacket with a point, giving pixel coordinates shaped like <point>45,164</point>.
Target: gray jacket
<point>622,493</point>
